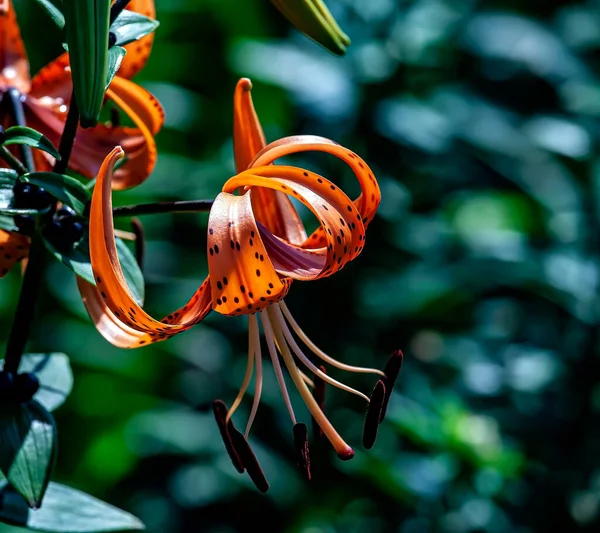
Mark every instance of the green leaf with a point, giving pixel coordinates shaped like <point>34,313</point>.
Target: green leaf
<point>54,374</point>
<point>27,449</point>
<point>54,12</point>
<point>29,137</point>
<point>115,57</point>
<point>131,271</point>
<point>78,259</point>
<point>8,179</point>
<point>131,26</point>
<point>8,223</point>
<point>65,510</point>
<point>68,190</point>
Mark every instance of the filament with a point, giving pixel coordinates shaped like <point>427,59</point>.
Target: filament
<point>268,329</point>
<point>320,353</point>
<point>254,338</point>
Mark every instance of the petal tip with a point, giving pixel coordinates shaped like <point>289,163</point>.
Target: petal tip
<point>244,84</point>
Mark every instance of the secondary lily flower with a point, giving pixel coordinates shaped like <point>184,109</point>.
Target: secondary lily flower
<point>256,246</point>
<point>46,99</point>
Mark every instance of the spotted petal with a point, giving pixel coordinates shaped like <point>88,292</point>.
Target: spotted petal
<point>46,111</point>
<point>243,279</point>
<point>112,306</point>
<point>13,247</point>
<point>271,208</point>
<point>339,218</point>
<point>370,197</point>
<point>138,52</point>
<point>14,66</point>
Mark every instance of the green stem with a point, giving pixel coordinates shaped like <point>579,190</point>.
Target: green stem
<point>19,332</point>
<point>12,161</point>
<point>18,114</point>
<point>187,206</point>
<point>67,139</point>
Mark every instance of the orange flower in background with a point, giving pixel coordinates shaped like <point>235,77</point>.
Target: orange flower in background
<point>46,99</point>
<point>257,246</point>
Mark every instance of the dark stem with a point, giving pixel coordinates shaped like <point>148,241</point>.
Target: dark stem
<point>19,332</point>
<point>18,114</point>
<point>116,9</point>
<point>13,162</point>
<point>184,206</point>
<point>67,138</point>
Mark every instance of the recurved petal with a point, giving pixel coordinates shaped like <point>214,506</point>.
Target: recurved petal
<point>138,52</point>
<point>271,208</point>
<point>52,84</point>
<point>338,216</point>
<point>111,284</point>
<point>13,247</point>
<point>14,66</point>
<point>242,276</point>
<point>370,197</point>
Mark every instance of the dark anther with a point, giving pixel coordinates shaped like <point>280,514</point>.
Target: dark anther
<point>391,371</point>
<point>220,412</point>
<point>112,39</point>
<point>302,452</point>
<point>26,385</point>
<point>2,135</point>
<point>140,241</point>
<point>249,460</point>
<point>319,396</point>
<point>373,414</point>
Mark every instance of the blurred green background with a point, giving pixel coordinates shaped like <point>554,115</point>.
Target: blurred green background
<point>480,120</point>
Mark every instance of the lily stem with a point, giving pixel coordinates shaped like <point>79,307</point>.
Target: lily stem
<point>67,139</point>
<point>184,206</point>
<point>14,163</point>
<point>19,332</point>
<point>18,113</point>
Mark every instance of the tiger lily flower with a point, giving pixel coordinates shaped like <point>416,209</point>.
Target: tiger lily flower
<point>46,99</point>
<point>257,246</point>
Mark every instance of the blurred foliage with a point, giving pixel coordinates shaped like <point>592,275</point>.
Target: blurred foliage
<point>481,122</point>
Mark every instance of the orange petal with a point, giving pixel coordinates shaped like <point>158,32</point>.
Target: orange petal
<point>53,84</point>
<point>370,197</point>
<point>110,281</point>
<point>271,208</point>
<point>138,52</point>
<point>243,279</point>
<point>13,248</point>
<point>46,114</point>
<point>14,66</point>
<point>339,218</point>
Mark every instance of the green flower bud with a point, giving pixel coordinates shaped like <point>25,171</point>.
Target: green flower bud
<point>312,18</point>
<point>86,24</point>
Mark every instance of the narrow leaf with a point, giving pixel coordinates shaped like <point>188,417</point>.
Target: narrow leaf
<point>54,12</point>
<point>30,137</point>
<point>78,259</point>
<point>131,26</point>
<point>65,510</point>
<point>115,57</point>
<point>54,374</point>
<point>68,190</point>
<point>131,271</point>
<point>27,449</point>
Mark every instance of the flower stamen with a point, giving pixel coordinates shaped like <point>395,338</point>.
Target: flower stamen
<point>255,347</point>
<point>307,362</point>
<point>344,451</point>
<point>319,353</point>
<point>373,415</point>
